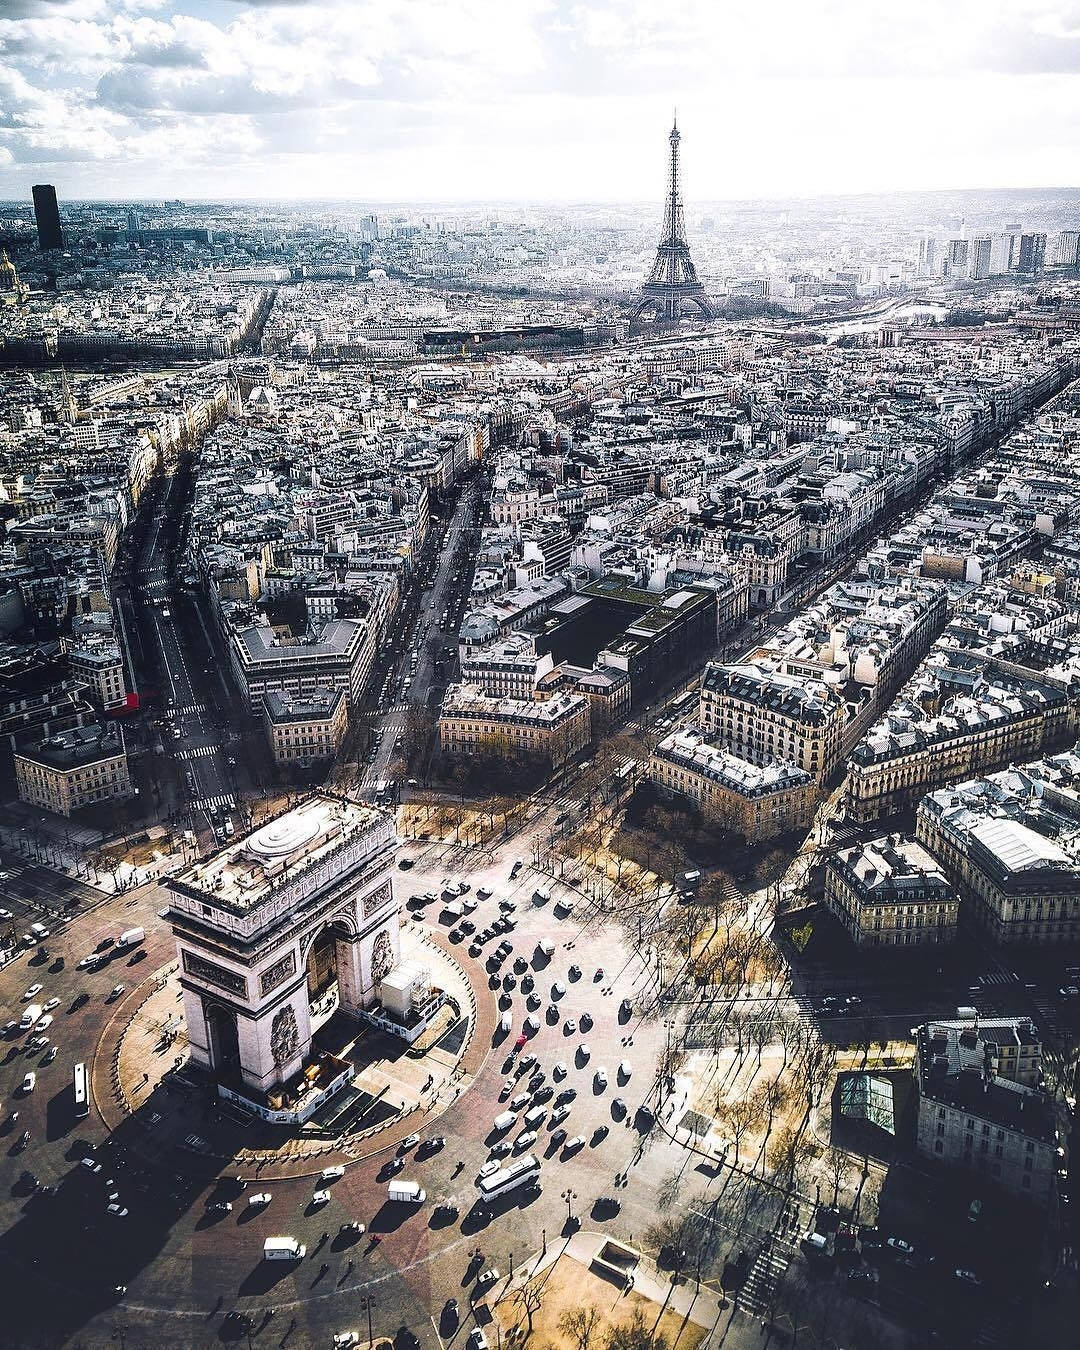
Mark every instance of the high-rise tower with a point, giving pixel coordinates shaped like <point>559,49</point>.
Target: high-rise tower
<point>47,215</point>
<point>673,279</point>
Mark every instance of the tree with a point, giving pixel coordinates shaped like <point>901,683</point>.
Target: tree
<point>579,1324</point>
<point>530,1298</point>
<point>634,1335</point>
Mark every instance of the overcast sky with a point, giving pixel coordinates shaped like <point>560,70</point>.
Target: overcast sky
<point>537,99</point>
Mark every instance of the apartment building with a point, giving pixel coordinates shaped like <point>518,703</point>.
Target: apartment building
<point>1010,844</point>
<point>265,660</point>
<point>999,1129</point>
<point>303,730</point>
<point>1005,719</point>
<point>755,801</point>
<point>71,769</point>
<point>96,659</point>
<point>891,892</point>
<point>762,715</point>
<point>550,729</point>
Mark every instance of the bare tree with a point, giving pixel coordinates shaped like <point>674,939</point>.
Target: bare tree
<point>579,1324</point>
<point>530,1298</point>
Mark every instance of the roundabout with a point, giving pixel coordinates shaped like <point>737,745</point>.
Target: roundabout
<point>190,1248</point>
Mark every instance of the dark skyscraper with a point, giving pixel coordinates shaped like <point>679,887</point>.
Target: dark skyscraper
<point>47,215</point>
<point>673,279</point>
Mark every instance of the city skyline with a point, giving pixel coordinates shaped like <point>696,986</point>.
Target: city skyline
<point>539,101</point>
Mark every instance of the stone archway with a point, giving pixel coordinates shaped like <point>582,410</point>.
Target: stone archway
<point>224,1039</point>
<point>322,963</point>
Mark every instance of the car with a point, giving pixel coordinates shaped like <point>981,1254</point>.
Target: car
<point>43,1023</point>
<point>625,1071</point>
<point>599,973</point>
<point>586,1021</point>
<point>259,1199</point>
<point>519,1102</point>
<point>558,989</point>
<point>467,926</point>
<point>626,1007</point>
<point>489,1168</point>
<point>475,949</point>
<point>558,1137</point>
<point>532,1024</point>
<point>52,1003</point>
<point>966,1276</point>
<point>559,1115</point>
<point>91,1165</point>
<point>487,1278</point>
<point>507,1087</point>
<point>88,962</point>
<point>6,914</point>
<point>569,1026</point>
<point>352,1226</point>
<point>477,1339</point>
<point>600,1077</point>
<point>507,906</point>
<point>584,1050</point>
<point>559,1069</point>
<point>618,1106</point>
<point>520,965</point>
<point>118,1211</point>
<point>533,1001</point>
<point>50,1055</point>
<point>432,1145</point>
<point>29,1082</point>
<point>572,1145</point>
<point>114,993</point>
<point>501,1149</point>
<point>567,1095</point>
<point>332,1173</point>
<point>10,1028</point>
<point>509,980</point>
<point>220,1207</point>
<point>410,1141</point>
<point>34,989</point>
<point>527,1061</point>
<point>37,1043</point>
<point>321,1197</point>
<point>899,1245</point>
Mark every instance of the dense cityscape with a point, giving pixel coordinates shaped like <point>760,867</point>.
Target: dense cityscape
<point>540,754</point>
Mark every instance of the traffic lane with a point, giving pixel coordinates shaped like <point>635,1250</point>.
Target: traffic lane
<point>78,1020</point>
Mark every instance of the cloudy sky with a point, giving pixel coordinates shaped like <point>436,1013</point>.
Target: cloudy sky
<point>425,100</point>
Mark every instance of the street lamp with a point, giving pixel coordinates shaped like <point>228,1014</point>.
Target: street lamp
<point>367,1302</point>
<point>569,1196</point>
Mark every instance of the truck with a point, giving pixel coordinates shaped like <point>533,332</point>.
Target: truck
<point>131,937</point>
<point>407,1192</point>
<point>547,947</point>
<point>283,1249</point>
<point>31,1013</point>
<point>39,930</point>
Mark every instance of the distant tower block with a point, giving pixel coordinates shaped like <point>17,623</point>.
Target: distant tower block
<point>47,216</point>
<point>672,281</point>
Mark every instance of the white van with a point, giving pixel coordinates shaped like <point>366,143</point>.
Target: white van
<point>408,1192</point>
<point>453,912</point>
<point>39,930</point>
<point>131,937</point>
<point>541,895</point>
<point>283,1249</point>
<point>534,1118</point>
<point>31,1013</point>
<point>506,1023</point>
<point>504,1121</point>
<point>546,946</point>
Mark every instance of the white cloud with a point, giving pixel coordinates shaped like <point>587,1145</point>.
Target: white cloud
<point>541,98</point>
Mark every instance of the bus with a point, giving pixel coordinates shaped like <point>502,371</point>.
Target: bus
<point>523,1171</point>
<point>82,1099</point>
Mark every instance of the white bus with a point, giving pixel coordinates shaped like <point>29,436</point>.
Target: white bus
<point>82,1101</point>
<point>518,1173</point>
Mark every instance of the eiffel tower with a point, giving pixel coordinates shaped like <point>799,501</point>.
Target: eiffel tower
<point>672,279</point>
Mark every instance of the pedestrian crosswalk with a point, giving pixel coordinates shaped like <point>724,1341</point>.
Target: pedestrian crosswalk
<point>225,801</point>
<point>765,1274</point>
<point>192,708</point>
<point>197,752</point>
